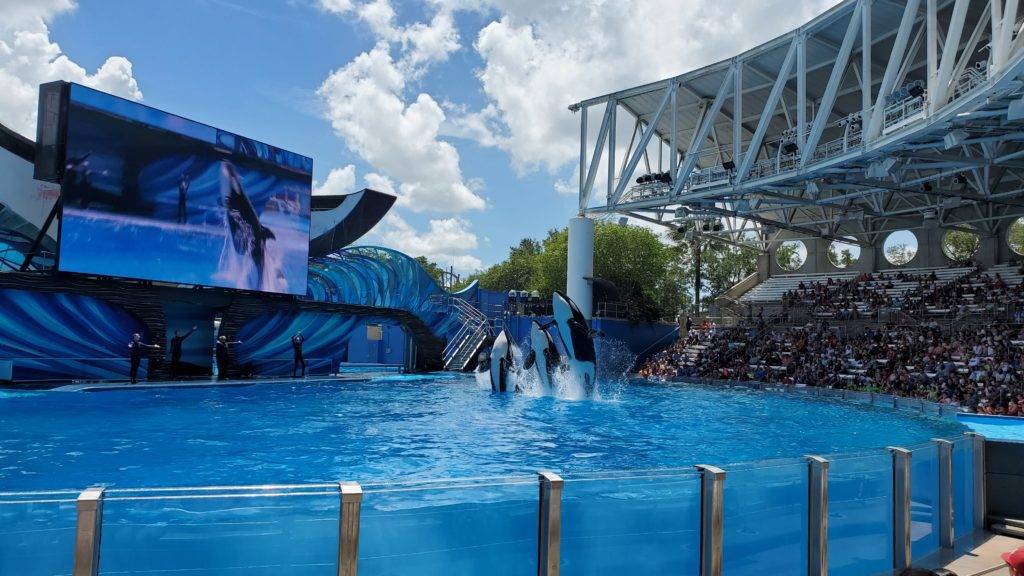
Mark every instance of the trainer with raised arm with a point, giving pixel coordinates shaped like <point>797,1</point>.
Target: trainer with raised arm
<point>135,346</point>
<point>176,343</point>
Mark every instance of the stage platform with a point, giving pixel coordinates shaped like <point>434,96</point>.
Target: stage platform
<point>977,556</point>
<point>122,385</point>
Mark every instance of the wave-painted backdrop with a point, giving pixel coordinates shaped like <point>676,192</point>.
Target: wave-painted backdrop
<point>382,278</point>
<point>267,345</point>
<point>52,336</point>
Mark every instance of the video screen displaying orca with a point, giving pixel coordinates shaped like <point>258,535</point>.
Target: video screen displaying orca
<point>153,196</point>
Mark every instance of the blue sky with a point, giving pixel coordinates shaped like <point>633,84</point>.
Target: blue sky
<point>458,106</point>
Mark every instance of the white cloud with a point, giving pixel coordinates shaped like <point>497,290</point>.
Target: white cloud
<point>541,56</point>
<point>400,139</point>
<point>380,183</point>
<point>339,181</point>
<point>28,58</point>
<point>446,241</point>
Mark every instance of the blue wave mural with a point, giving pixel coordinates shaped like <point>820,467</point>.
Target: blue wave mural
<point>55,336</point>
<point>267,346</point>
<point>383,278</point>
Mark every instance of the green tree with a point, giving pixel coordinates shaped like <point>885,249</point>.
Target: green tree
<point>960,245</point>
<point>788,255</point>
<point>435,271</point>
<point>1015,236</point>
<point>899,254</point>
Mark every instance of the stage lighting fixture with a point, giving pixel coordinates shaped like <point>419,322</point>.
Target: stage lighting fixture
<point>729,165</point>
<point>717,227</point>
<point>915,90</point>
<point>927,186</point>
<point>790,148</point>
<point>959,179</point>
<point>705,227</point>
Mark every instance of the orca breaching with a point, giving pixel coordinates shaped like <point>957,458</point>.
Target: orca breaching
<point>577,341</point>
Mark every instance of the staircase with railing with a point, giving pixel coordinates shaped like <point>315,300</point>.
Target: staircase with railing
<point>474,331</point>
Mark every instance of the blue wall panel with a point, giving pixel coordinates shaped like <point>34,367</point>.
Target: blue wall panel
<point>56,336</point>
<point>329,340</point>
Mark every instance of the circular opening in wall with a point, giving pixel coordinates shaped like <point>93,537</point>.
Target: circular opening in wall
<point>1015,236</point>
<point>843,254</point>
<point>959,245</point>
<point>791,255</point>
<point>900,247</point>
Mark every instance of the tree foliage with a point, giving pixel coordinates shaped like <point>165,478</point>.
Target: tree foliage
<point>960,245</point>
<point>435,271</point>
<point>788,255</point>
<point>654,276</point>
<point>1015,236</point>
<point>900,253</point>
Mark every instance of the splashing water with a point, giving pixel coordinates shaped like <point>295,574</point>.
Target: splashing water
<point>614,361</point>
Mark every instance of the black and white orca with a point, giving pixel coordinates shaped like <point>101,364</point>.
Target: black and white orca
<point>577,339</point>
<point>248,234</point>
<point>500,362</point>
<point>544,356</point>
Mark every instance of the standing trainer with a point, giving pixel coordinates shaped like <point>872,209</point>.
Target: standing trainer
<point>135,347</point>
<point>223,356</point>
<point>297,341</point>
<point>176,343</point>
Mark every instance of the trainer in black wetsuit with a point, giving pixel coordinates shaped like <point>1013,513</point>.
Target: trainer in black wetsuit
<point>176,343</point>
<point>135,346</point>
<point>297,341</point>
<point>182,197</point>
<point>224,356</point>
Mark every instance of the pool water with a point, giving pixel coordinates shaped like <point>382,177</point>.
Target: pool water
<point>414,427</point>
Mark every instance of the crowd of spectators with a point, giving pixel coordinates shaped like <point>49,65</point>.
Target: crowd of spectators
<point>977,366</point>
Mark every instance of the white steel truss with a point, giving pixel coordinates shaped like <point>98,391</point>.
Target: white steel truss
<point>877,115</point>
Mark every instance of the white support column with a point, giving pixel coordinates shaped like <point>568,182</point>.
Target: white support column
<point>88,532</point>
<point>945,504</point>
<point>943,86</point>
<point>580,267</point>
<point>901,507</point>
<point>737,114</point>
<point>866,64</point>
<point>801,89</point>
<point>348,528</point>
<point>832,88</point>
<point>549,531</point>
<point>874,128</point>
<point>766,115</point>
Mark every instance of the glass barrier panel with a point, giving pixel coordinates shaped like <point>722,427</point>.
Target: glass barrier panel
<point>924,498</point>
<point>765,513</point>
<point>860,514</point>
<point>469,528</point>
<point>37,533</point>
<point>963,486</point>
<point>216,533</point>
<point>630,524</point>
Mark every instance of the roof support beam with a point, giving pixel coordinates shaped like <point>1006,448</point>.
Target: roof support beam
<point>587,188</point>
<point>932,44</point>
<point>584,194</point>
<point>899,48</point>
<point>737,114</point>
<point>865,60</point>
<point>801,89</point>
<point>612,120</point>
<point>943,85</point>
<point>767,113</point>
<point>641,147</point>
<point>1003,22</point>
<point>702,133</point>
<point>829,98</point>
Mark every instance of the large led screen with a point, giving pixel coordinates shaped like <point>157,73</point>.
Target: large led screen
<point>154,196</point>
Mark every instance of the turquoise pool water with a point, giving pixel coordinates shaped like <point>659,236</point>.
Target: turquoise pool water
<point>995,427</point>
<point>415,427</point>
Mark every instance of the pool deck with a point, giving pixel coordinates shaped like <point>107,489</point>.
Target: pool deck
<point>977,556</point>
<point>122,385</point>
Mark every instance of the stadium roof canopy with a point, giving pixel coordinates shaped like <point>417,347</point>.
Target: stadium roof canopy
<point>875,116</point>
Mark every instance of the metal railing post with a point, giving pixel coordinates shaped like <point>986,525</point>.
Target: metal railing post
<point>348,531</point>
<point>817,516</point>
<point>549,530</point>
<point>88,532</point>
<point>900,507</point>
<point>980,486</point>
<point>945,506</point>
<point>712,497</point>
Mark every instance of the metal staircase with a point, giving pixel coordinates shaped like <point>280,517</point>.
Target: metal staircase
<point>473,333</point>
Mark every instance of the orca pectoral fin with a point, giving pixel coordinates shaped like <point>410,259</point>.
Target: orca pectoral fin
<point>530,360</point>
